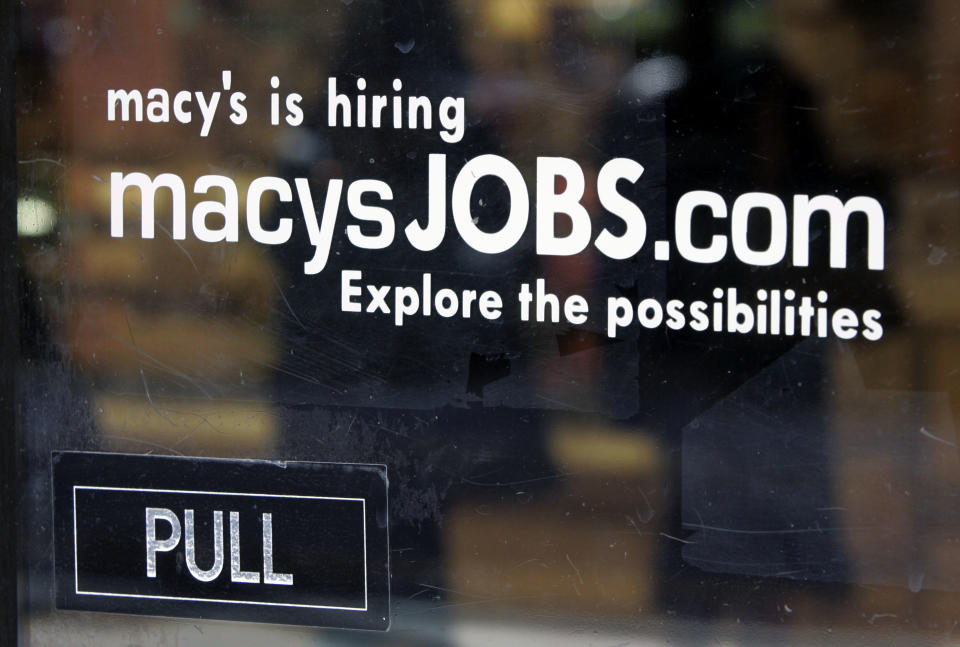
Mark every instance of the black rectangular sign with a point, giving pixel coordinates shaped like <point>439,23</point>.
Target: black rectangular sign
<point>293,543</point>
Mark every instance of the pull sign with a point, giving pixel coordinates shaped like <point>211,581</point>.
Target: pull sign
<point>291,543</point>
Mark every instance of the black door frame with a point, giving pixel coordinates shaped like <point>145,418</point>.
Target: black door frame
<point>9,331</point>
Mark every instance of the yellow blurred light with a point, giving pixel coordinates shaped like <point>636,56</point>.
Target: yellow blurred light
<point>514,19</point>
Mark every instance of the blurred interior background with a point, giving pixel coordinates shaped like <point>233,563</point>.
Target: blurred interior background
<point>751,492</point>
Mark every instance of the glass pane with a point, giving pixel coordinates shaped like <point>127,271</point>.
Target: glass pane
<point>647,306</point>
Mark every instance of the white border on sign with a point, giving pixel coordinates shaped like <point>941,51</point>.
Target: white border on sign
<point>76,579</point>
